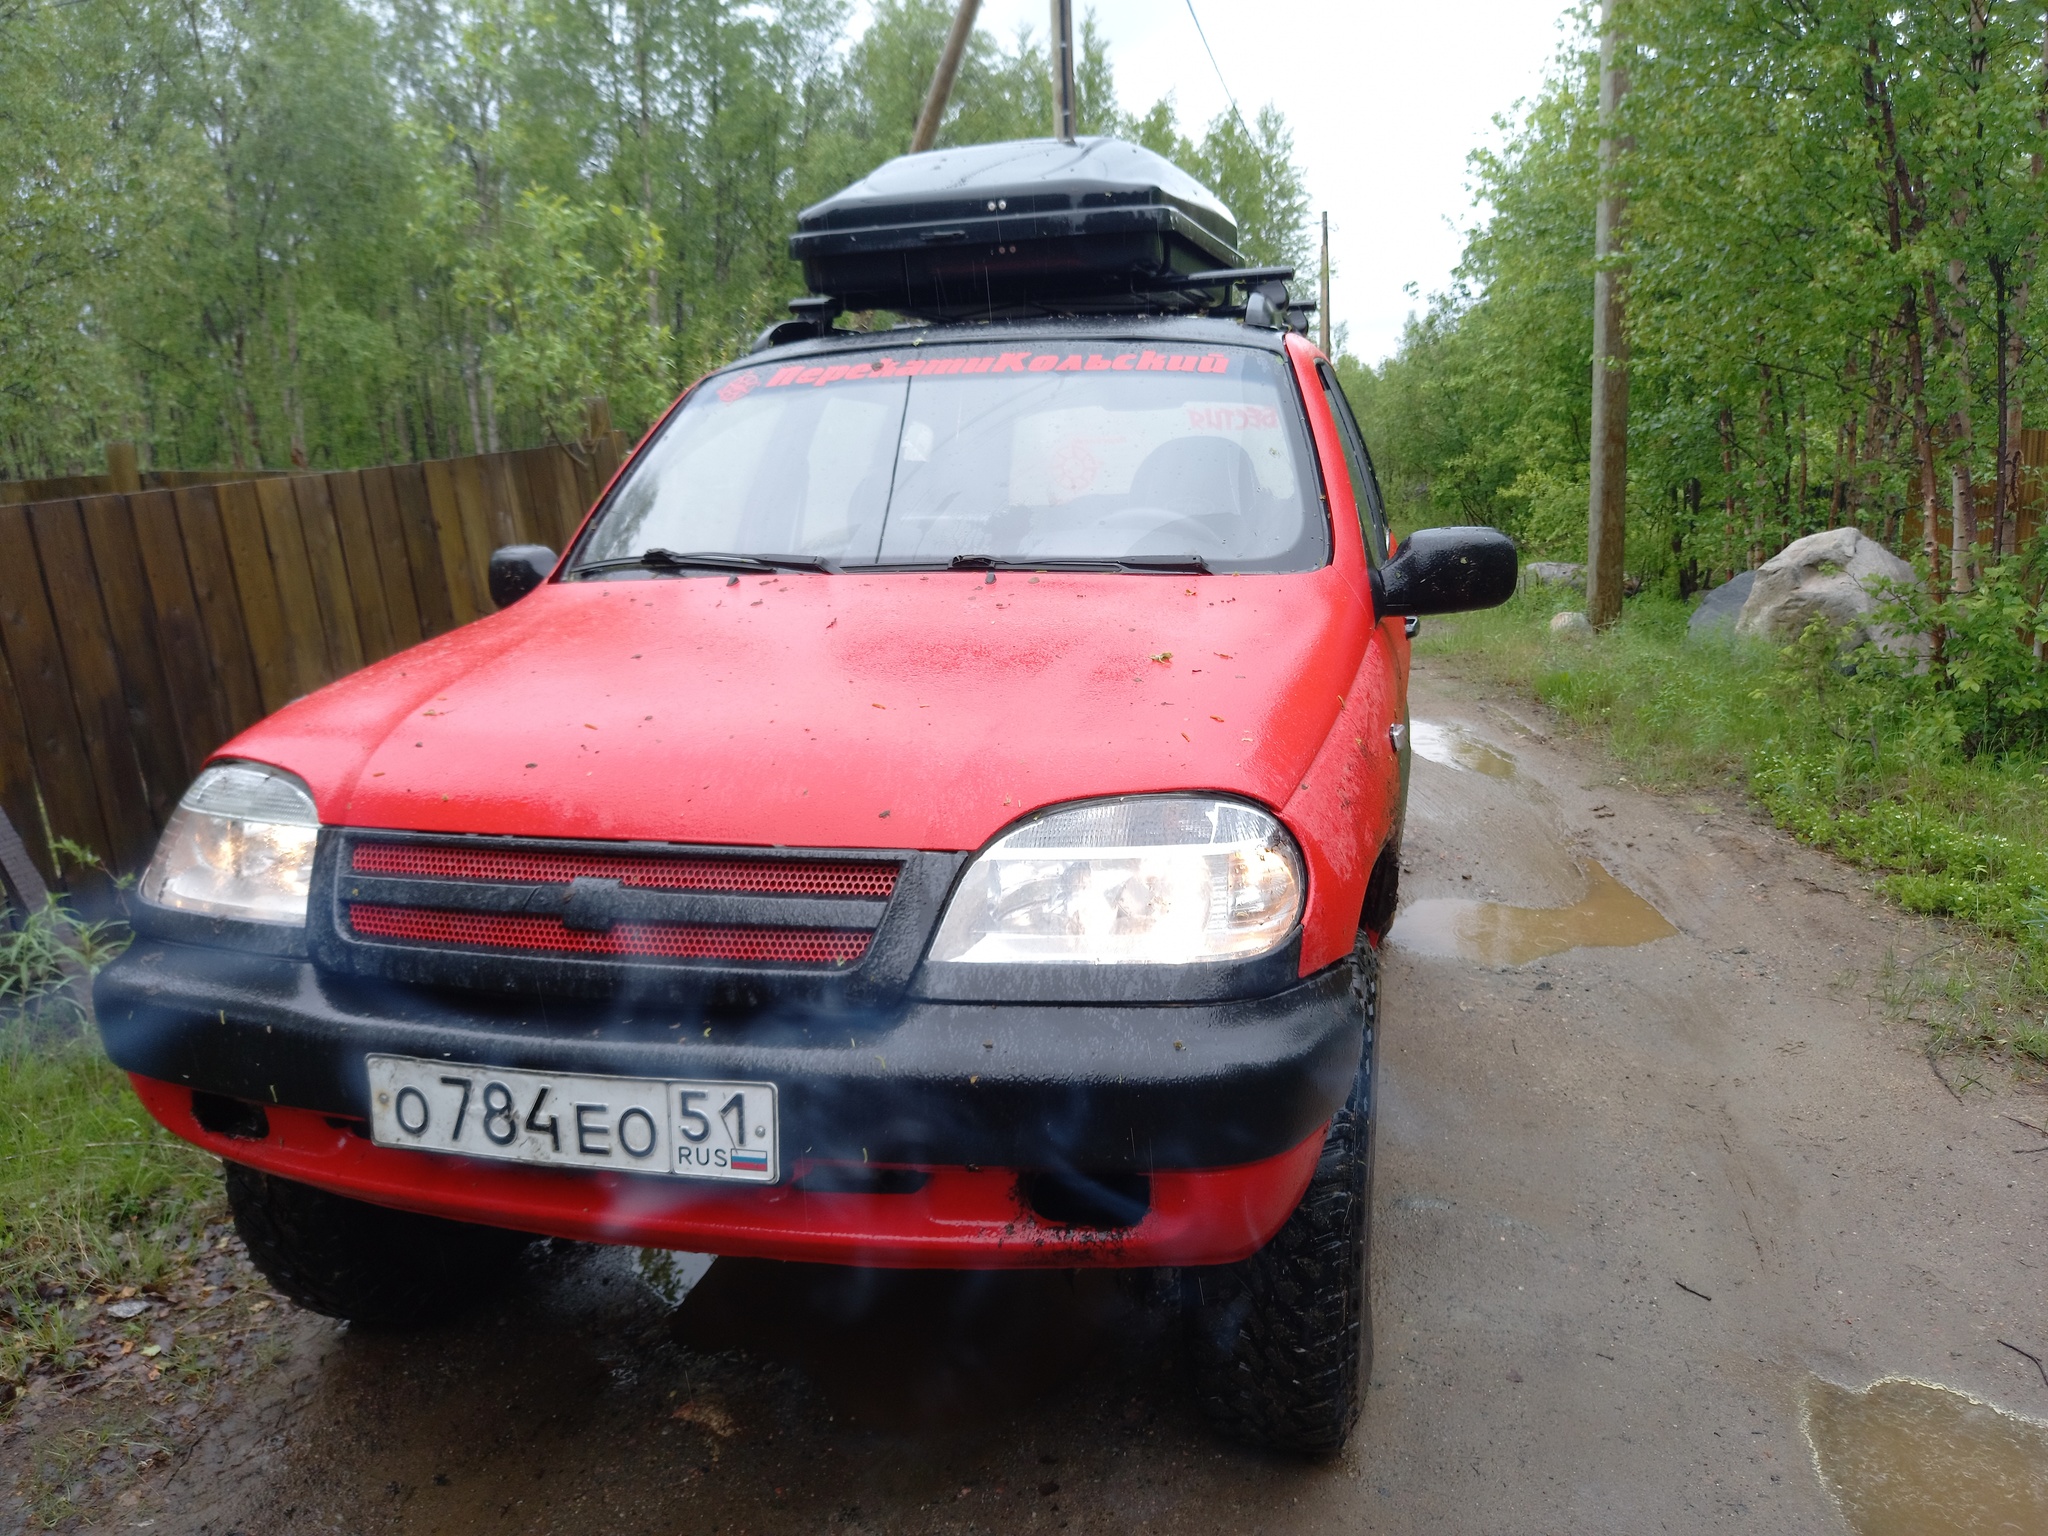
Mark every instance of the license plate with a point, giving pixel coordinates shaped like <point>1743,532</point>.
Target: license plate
<point>686,1129</point>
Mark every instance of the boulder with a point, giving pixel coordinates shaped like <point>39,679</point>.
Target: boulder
<point>1574,626</point>
<point>1555,573</point>
<point>1829,576</point>
<point>1719,609</point>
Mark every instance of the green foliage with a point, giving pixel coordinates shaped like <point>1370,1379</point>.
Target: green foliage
<point>45,957</point>
<point>1817,195</point>
<point>327,232</point>
<point>556,328</point>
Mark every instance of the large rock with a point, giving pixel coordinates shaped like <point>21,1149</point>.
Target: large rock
<point>1555,573</point>
<point>1720,608</point>
<point>1571,626</point>
<point>1829,576</point>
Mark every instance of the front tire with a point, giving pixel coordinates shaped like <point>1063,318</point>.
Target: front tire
<point>365,1263</point>
<point>1281,1343</point>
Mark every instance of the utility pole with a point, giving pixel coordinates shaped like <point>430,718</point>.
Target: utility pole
<point>1607,516</point>
<point>942,77</point>
<point>1063,70</point>
<point>1323,299</point>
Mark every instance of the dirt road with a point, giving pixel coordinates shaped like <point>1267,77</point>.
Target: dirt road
<point>1638,1205</point>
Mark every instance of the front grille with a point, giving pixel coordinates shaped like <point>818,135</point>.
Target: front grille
<point>662,941</point>
<point>656,872</point>
<point>590,918</point>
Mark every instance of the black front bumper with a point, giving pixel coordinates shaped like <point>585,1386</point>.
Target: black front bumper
<point>1205,1084</point>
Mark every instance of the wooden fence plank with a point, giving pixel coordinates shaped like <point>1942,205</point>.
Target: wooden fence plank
<point>585,468</point>
<point>96,688</point>
<point>365,575</point>
<point>394,557</point>
<point>196,695</point>
<point>307,657</point>
<point>536,521</point>
<point>509,518</point>
<point>242,522</point>
<point>18,776</point>
<point>470,498</point>
<point>138,651</point>
<point>332,589</point>
<point>565,504</point>
<point>219,605</point>
<point>35,658</point>
<point>429,573</point>
<point>607,454</point>
<point>464,594</point>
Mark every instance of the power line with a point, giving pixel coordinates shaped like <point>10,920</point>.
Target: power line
<point>1219,72</point>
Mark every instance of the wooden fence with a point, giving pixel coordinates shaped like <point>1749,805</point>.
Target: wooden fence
<point>70,487</point>
<point>139,631</point>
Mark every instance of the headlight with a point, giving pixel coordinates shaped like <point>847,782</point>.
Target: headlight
<point>240,844</point>
<point>1152,880</point>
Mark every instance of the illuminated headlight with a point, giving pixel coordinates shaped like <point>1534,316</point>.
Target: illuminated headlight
<point>1152,880</point>
<point>240,844</point>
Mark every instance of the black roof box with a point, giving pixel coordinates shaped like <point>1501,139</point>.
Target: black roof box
<point>1033,226</point>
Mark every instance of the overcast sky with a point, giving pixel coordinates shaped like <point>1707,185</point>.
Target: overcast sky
<point>1386,99</point>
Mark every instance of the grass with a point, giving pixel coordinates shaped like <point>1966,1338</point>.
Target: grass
<point>1681,717</point>
<point>94,1195</point>
<point>1840,757</point>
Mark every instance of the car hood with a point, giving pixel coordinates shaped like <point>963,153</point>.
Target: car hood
<point>890,710</point>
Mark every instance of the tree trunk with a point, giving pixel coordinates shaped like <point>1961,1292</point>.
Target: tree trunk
<point>1607,512</point>
<point>476,420</point>
<point>1902,194</point>
<point>1799,491</point>
<point>646,127</point>
<point>295,404</point>
<point>1962,523</point>
<point>2010,454</point>
<point>1725,426</point>
<point>1923,443</point>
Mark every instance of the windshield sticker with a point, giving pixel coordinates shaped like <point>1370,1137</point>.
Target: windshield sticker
<point>1139,361</point>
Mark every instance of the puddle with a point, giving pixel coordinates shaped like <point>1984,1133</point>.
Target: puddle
<point>1908,1459</point>
<point>671,1276</point>
<point>1456,747</point>
<point>1608,915</point>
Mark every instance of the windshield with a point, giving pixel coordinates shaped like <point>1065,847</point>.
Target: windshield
<point>922,455</point>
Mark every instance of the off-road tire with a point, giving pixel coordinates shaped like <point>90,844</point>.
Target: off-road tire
<point>350,1259</point>
<point>1281,1343</point>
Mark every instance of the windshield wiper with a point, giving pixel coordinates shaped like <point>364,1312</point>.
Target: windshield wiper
<point>707,560</point>
<point>1165,564</point>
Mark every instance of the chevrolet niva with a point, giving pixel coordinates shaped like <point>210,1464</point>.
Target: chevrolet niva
<point>941,811</point>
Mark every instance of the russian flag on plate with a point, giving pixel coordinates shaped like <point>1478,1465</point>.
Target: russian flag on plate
<point>749,1162</point>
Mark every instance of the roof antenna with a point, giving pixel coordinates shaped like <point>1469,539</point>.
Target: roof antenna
<point>1063,70</point>
<point>942,78</point>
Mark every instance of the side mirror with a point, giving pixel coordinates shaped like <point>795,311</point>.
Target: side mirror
<point>1446,570</point>
<point>517,569</point>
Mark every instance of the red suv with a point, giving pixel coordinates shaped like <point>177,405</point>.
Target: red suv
<point>939,812</point>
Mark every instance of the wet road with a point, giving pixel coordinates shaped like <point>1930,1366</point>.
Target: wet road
<point>1640,1201</point>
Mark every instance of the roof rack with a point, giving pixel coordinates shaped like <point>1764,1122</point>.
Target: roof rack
<point>1022,229</point>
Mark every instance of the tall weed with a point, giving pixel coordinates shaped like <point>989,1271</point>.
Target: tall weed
<point>93,1193</point>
